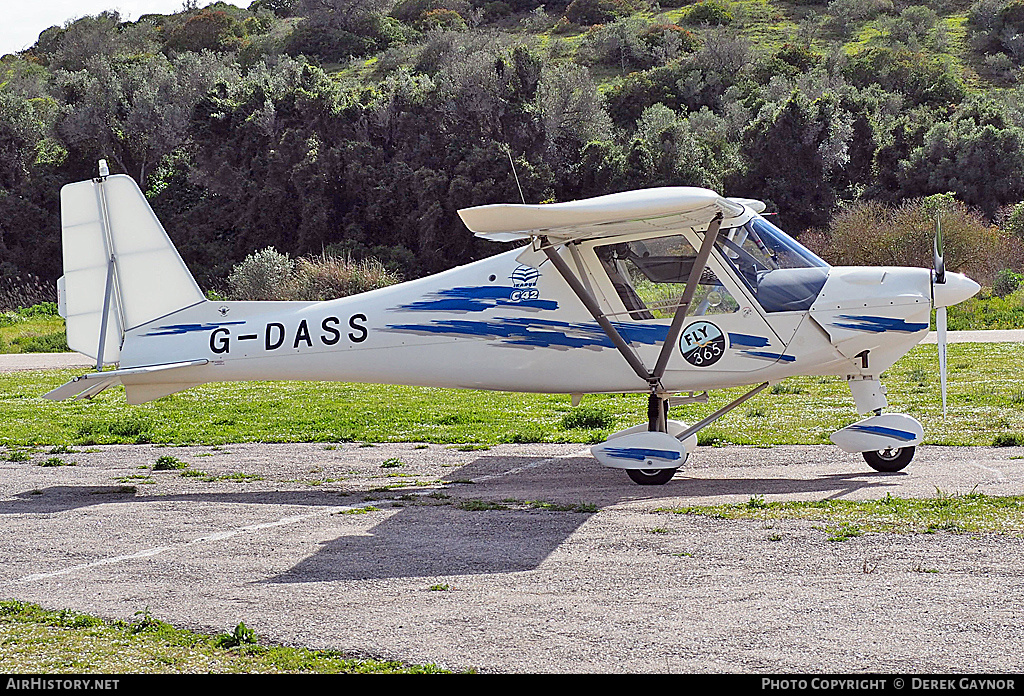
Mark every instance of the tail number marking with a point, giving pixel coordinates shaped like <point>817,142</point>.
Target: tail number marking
<point>276,335</point>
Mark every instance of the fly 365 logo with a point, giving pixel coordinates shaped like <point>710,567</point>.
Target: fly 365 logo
<point>702,344</point>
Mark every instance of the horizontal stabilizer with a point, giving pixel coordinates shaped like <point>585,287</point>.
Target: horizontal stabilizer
<point>666,208</point>
<point>88,386</point>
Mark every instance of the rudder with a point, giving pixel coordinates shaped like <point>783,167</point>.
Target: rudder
<point>120,268</point>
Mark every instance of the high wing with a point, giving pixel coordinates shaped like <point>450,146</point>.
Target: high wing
<point>666,208</point>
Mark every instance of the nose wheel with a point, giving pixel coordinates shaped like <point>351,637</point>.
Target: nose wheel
<point>890,459</point>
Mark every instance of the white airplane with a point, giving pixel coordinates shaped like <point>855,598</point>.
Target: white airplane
<point>665,291</point>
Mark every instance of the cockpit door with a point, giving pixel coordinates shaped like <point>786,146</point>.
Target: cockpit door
<point>642,277</point>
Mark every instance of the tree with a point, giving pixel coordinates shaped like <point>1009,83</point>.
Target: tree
<point>133,110</point>
<point>74,45</point>
<point>975,154</point>
<point>795,157</point>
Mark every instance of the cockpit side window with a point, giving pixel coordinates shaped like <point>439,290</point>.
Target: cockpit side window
<point>650,275</point>
<point>782,274</point>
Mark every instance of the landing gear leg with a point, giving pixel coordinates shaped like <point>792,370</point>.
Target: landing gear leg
<point>657,421</point>
<point>657,414</point>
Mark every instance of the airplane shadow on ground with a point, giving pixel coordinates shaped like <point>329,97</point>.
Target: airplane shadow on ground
<point>440,537</point>
<point>447,540</point>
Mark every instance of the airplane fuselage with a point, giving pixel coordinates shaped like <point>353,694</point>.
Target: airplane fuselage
<point>507,325</point>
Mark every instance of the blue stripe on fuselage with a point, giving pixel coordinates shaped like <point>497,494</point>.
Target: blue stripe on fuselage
<point>747,341</point>
<point>175,329</point>
<point>477,299</point>
<point>879,324</point>
<point>537,333</point>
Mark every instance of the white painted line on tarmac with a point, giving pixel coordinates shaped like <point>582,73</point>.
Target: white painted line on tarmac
<point>101,562</point>
<point>216,536</point>
<point>1000,477</point>
<point>543,462</point>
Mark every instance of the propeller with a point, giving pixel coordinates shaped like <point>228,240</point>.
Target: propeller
<point>940,312</point>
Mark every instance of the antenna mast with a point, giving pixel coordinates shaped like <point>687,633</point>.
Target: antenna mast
<point>508,150</point>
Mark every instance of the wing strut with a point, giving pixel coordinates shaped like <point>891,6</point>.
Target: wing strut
<point>719,413</point>
<point>595,311</point>
<point>653,378</point>
<point>684,303</point>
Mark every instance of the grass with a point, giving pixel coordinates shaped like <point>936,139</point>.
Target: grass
<point>56,461</point>
<point>169,463</point>
<point>985,383</point>
<point>360,511</point>
<point>986,311</point>
<point>29,330</point>
<point>514,504</point>
<point>41,641</point>
<point>846,519</point>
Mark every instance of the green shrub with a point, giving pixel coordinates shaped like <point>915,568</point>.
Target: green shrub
<point>1006,282</point>
<point>658,36</point>
<point>56,461</point>
<point>1008,440</point>
<point>441,18</point>
<point>589,12</point>
<point>496,10</point>
<point>210,30</point>
<point>56,342</point>
<point>1014,222</point>
<point>799,56</point>
<point>169,463</point>
<point>870,233</point>
<point>708,12</point>
<point>262,275</point>
<point>925,79</point>
<point>328,277</point>
<point>42,309</point>
<point>410,11</point>
<point>339,37</point>
<point>242,635</point>
<point>271,275</point>
<point>588,418</point>
<point>996,25</point>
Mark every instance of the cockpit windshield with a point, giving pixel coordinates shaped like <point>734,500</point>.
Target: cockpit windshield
<point>781,273</point>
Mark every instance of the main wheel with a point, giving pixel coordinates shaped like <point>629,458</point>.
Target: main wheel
<point>651,477</point>
<point>889,460</point>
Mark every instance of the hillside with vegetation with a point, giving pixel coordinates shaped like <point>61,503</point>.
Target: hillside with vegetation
<point>357,128</point>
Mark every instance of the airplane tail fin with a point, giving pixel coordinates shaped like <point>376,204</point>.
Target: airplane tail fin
<point>120,268</point>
